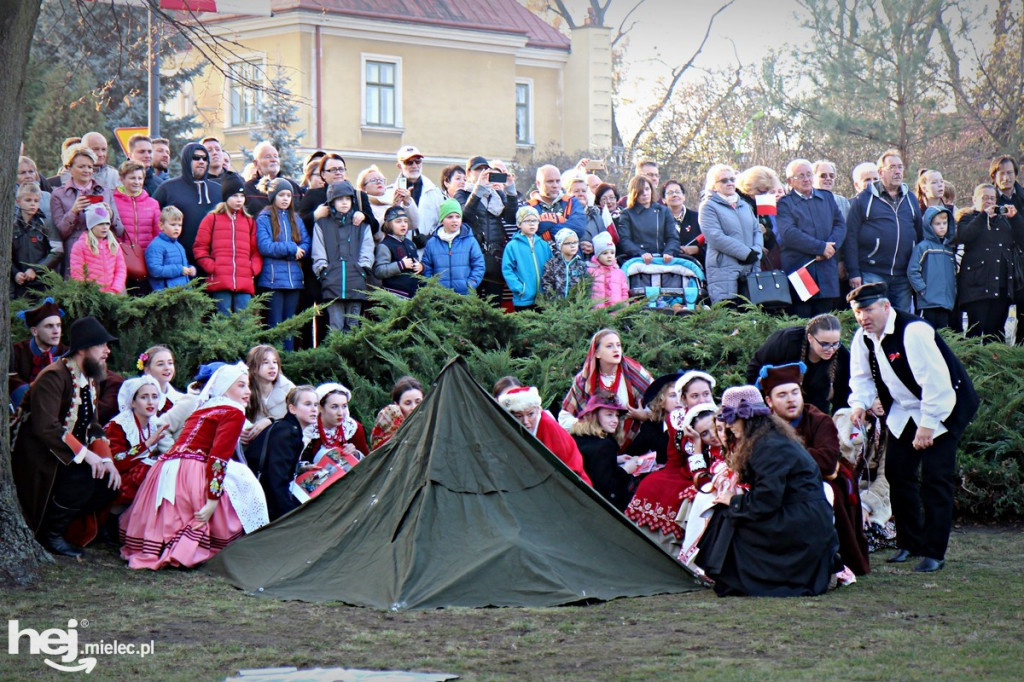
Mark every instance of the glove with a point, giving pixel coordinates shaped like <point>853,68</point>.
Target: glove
<point>752,258</point>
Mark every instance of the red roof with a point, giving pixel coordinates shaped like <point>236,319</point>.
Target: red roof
<point>502,16</point>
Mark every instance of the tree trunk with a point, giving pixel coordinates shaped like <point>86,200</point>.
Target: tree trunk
<point>20,555</point>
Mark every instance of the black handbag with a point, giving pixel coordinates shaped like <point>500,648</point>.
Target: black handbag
<point>769,288</point>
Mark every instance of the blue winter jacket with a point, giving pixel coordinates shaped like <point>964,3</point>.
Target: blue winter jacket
<point>523,265</point>
<point>280,268</point>
<point>879,236</point>
<point>804,226</point>
<point>932,269</point>
<point>458,267</point>
<point>165,258</point>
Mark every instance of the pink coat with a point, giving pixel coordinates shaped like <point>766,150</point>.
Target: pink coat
<point>140,216</point>
<point>610,284</point>
<point>105,268</point>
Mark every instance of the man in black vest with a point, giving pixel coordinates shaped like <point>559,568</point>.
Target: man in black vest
<point>899,359</point>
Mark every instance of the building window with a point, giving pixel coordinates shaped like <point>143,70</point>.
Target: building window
<point>524,113</point>
<point>245,98</point>
<point>380,93</point>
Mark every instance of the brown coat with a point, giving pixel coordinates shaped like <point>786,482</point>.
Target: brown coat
<point>44,441</point>
<point>22,365</point>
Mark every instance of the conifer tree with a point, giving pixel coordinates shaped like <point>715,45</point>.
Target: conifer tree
<point>278,114</point>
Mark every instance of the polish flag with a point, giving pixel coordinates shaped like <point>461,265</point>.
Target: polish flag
<point>765,204</point>
<point>609,225</point>
<point>804,284</point>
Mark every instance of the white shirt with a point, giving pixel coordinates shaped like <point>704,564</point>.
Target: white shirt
<point>928,367</point>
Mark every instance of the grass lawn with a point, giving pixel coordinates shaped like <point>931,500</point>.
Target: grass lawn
<point>963,623</point>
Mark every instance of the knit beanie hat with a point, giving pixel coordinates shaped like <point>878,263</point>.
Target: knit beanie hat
<point>742,402</point>
<point>96,214</point>
<point>231,185</point>
<point>525,212</point>
<point>340,189</point>
<point>562,235</point>
<point>603,242</point>
<point>448,206</point>
<point>275,187</point>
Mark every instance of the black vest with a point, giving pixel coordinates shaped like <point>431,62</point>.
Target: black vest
<point>895,350</point>
<point>404,284</point>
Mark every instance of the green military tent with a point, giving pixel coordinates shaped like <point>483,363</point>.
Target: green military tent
<point>462,507</point>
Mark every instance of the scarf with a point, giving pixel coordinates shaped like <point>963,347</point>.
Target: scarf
<point>338,436</point>
<point>446,236</point>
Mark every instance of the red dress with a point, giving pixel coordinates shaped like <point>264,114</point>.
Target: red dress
<point>656,501</point>
<point>160,528</point>
<point>131,457</point>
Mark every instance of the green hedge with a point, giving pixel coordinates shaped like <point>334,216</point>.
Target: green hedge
<point>544,348</point>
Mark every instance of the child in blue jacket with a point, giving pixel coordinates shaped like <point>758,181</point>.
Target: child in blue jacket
<point>283,242</point>
<point>522,264</point>
<point>932,268</point>
<point>452,253</point>
<point>166,263</point>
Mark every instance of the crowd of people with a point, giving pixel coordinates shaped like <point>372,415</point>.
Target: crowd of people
<point>322,238</point>
<point>747,488</point>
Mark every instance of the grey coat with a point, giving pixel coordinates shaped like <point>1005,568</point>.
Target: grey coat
<point>731,233</point>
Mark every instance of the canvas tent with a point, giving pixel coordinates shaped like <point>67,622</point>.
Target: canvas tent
<point>462,507</point>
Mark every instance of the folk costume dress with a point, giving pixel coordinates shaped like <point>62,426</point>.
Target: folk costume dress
<point>132,457</point>
<point>348,431</point>
<point>627,385</point>
<point>160,528</point>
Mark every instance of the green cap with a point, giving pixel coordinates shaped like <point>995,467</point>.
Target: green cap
<point>448,206</point>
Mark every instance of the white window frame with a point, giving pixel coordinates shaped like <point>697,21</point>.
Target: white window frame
<point>397,63</point>
<point>530,138</point>
<point>257,61</point>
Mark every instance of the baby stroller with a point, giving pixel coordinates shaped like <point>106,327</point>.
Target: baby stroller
<point>681,282</point>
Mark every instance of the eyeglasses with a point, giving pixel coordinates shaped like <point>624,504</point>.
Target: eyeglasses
<point>413,162</point>
<point>727,181</point>
<point>827,346</point>
<point>674,193</point>
<point>374,181</point>
<point>894,167</point>
<point>200,157</point>
<point>336,169</point>
<point>803,176</point>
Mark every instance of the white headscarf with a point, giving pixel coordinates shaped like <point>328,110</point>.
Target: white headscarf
<point>126,394</point>
<point>323,390</point>
<point>221,381</point>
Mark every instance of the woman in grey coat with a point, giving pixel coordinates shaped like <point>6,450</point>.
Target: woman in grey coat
<point>734,239</point>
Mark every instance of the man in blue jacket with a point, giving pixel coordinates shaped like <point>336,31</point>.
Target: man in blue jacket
<point>556,210</point>
<point>883,226</point>
<point>811,228</point>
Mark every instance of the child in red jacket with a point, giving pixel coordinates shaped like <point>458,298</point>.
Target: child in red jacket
<point>225,249</point>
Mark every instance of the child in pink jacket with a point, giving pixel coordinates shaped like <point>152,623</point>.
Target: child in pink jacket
<point>96,255</point>
<point>610,285</point>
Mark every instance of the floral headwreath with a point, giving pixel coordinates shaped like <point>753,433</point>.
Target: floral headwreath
<point>140,364</point>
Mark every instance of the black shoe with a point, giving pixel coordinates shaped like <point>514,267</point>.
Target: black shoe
<point>901,556</point>
<point>56,544</point>
<point>929,565</point>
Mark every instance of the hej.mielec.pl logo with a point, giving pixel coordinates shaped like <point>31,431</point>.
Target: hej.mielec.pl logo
<point>61,648</point>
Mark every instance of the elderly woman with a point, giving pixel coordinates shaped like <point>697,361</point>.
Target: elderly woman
<point>69,201</point>
<point>372,184</point>
<point>606,196</point>
<point>331,168</point>
<point>646,227</point>
<point>985,286</point>
<point>691,242</point>
<point>607,370</point>
<point>453,178</point>
<point>776,539</point>
<point>734,237</point>
<point>763,181</point>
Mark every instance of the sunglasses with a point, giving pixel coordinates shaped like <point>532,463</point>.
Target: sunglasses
<point>827,346</point>
<point>200,157</point>
<point>727,181</point>
<point>413,162</point>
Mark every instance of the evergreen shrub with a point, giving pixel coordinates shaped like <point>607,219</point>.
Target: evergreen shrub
<point>544,348</point>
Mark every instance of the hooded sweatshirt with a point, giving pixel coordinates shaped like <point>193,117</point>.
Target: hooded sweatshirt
<point>194,197</point>
<point>932,267</point>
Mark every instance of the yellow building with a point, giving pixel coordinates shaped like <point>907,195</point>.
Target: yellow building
<point>454,78</point>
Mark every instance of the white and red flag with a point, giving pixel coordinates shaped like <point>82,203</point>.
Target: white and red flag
<point>803,283</point>
<point>766,204</point>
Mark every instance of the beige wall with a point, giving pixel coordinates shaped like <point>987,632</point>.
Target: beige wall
<point>455,102</point>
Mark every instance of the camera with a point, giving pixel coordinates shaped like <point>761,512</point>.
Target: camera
<point>1002,210</point>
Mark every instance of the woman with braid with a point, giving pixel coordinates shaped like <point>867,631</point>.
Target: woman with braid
<point>826,383</point>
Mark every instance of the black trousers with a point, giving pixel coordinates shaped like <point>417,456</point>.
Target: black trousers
<point>921,491</point>
<point>938,317</point>
<point>75,488</point>
<point>812,308</point>
<point>986,317</point>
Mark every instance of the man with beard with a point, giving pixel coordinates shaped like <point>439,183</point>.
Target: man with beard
<point>31,356</point>
<point>780,385</point>
<point>161,160</point>
<point>61,461</point>
<point>426,194</point>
